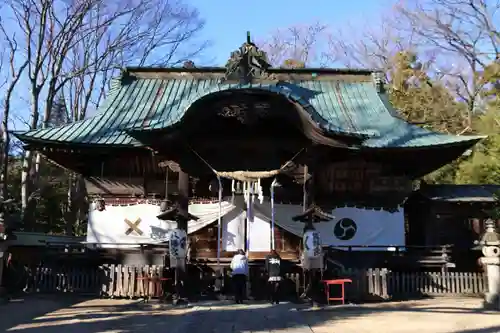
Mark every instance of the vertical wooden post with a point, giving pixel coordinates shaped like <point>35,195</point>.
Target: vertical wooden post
<point>245,231</point>
<point>304,188</point>
<point>183,200</point>
<point>182,223</point>
<point>3,257</point>
<point>314,277</point>
<point>2,260</point>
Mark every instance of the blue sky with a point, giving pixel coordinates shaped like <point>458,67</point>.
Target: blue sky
<point>227,21</point>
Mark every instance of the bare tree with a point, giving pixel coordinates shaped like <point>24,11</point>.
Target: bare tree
<point>371,47</point>
<point>81,44</point>
<point>300,43</point>
<point>13,74</point>
<point>466,33</point>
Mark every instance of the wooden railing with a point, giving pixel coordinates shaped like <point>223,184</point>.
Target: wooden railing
<point>105,280</point>
<point>370,284</point>
<point>385,284</point>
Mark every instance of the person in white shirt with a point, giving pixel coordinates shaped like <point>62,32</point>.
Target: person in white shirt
<point>239,267</point>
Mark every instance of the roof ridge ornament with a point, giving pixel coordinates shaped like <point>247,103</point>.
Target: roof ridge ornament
<point>247,64</point>
<point>126,77</point>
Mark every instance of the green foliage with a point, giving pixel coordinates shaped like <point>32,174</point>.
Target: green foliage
<point>421,100</point>
<point>293,64</point>
<point>444,175</point>
<point>494,213</point>
<point>50,196</point>
<point>483,166</point>
<point>490,78</point>
<point>428,103</point>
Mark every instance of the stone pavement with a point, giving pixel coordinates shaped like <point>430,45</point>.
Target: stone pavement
<point>120,316</point>
<point>125,316</point>
<point>244,318</point>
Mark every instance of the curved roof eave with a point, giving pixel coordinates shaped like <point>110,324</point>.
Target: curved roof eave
<point>350,109</point>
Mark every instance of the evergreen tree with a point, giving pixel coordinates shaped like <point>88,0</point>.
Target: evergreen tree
<point>293,64</point>
<point>483,166</point>
<point>421,100</point>
<point>59,113</point>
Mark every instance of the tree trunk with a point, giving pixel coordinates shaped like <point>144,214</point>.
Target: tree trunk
<point>5,155</point>
<point>5,163</point>
<point>27,206</point>
<point>81,206</point>
<point>70,206</point>
<point>25,189</point>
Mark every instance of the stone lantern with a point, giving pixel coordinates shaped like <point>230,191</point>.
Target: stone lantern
<point>490,243</point>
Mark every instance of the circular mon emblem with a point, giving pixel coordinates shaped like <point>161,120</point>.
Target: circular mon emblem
<point>345,229</point>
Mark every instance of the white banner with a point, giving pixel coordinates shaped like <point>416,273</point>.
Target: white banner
<point>137,224</point>
<point>259,235</point>
<point>233,232</point>
<point>365,227</point>
<point>350,226</point>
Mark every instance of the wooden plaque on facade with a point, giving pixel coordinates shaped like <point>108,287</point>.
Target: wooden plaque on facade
<point>360,177</point>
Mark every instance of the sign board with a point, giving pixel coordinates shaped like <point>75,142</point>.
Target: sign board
<point>361,177</point>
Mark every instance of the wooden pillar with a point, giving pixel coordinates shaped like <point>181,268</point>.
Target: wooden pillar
<point>311,188</point>
<point>3,256</point>
<point>183,200</point>
<point>182,223</point>
<point>312,274</point>
<point>2,259</point>
<point>245,232</point>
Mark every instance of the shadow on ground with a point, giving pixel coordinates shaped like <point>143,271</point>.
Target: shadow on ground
<point>23,309</point>
<point>77,316</point>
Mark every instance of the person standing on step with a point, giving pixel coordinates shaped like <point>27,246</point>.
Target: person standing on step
<point>239,267</point>
<point>273,268</point>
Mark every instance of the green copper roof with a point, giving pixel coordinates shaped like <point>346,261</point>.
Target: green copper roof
<point>460,193</point>
<point>351,106</point>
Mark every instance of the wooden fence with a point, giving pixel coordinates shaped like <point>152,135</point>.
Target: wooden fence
<point>374,284</point>
<point>371,284</point>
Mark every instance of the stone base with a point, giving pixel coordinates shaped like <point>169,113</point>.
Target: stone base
<point>218,281</point>
<point>491,302</point>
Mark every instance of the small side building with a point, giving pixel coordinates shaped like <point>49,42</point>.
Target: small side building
<point>453,216</point>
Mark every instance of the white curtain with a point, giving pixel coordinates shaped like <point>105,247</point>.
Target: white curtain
<point>207,214</point>
<point>372,227</point>
<point>233,231</point>
<point>109,228</point>
<point>259,235</point>
<point>283,215</point>
<point>366,227</point>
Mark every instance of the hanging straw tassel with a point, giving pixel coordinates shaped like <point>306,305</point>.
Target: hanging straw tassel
<point>233,189</point>
<point>260,192</point>
<point>246,192</point>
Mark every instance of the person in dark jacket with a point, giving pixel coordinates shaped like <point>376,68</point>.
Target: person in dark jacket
<point>273,268</point>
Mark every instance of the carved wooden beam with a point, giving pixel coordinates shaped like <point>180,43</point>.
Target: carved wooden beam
<point>174,213</point>
<point>174,166</point>
<point>314,214</point>
<point>263,144</point>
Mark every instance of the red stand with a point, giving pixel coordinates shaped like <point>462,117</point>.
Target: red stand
<point>157,286</point>
<point>340,282</point>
